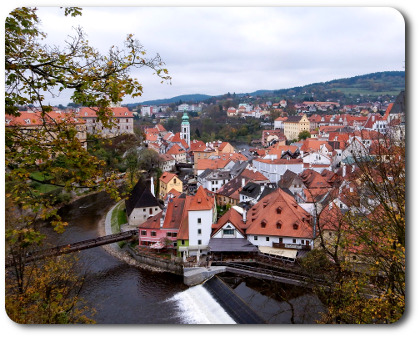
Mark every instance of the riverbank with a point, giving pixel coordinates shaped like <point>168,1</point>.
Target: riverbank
<point>104,228</point>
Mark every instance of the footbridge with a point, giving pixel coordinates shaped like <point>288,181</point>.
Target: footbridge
<point>77,246</point>
<point>195,276</point>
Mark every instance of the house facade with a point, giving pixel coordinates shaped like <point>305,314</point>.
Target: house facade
<point>169,181</point>
<point>294,125</point>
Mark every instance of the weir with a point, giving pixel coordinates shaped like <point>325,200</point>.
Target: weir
<point>232,303</point>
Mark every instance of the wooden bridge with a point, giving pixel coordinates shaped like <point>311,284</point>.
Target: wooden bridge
<point>78,246</point>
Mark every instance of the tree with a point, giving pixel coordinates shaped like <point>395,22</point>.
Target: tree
<point>365,255</point>
<point>304,134</point>
<point>33,69</point>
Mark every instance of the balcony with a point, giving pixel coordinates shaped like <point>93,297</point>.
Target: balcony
<point>291,246</point>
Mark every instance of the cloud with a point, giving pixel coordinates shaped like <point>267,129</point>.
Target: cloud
<point>214,50</point>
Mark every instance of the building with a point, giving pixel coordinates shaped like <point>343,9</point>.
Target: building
<point>185,129</point>
<point>196,228</point>
<point>278,221</point>
<point>169,181</point>
<point>273,169</point>
<point>141,205</point>
<point>294,125</point>
<point>30,122</point>
<point>121,117</point>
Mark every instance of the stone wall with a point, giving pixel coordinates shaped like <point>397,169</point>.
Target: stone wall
<point>163,264</point>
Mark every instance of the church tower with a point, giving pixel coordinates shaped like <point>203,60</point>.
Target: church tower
<point>185,128</point>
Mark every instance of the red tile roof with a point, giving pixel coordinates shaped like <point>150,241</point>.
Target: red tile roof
<point>234,218</point>
<point>175,149</point>
<point>279,214</point>
<point>27,118</point>
<point>201,201</point>
<point>166,177</point>
<point>118,112</point>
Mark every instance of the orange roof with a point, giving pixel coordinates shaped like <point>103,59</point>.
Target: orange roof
<point>27,118</point>
<point>253,176</point>
<point>151,137</point>
<point>213,164</point>
<point>118,112</point>
<point>279,214</point>
<point>201,201</point>
<point>183,228</point>
<point>175,149</point>
<point>196,144</point>
<point>234,218</point>
<point>311,144</point>
<point>166,177</point>
<point>174,213</point>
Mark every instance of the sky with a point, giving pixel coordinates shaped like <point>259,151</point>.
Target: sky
<point>215,50</point>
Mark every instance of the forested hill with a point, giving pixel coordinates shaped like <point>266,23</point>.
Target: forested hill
<point>387,82</point>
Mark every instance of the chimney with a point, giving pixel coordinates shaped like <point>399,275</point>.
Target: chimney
<point>152,186</point>
<point>243,182</point>
<point>244,215</point>
<point>344,170</point>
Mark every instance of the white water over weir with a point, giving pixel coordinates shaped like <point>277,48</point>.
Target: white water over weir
<point>197,306</point>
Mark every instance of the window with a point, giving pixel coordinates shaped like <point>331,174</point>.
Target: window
<point>255,238</point>
<point>228,232</point>
<point>143,233</point>
<point>302,241</point>
<point>150,211</point>
<point>295,226</point>
<point>153,233</point>
<point>199,231</point>
<point>278,224</point>
<point>199,220</point>
<point>294,240</point>
<point>174,180</point>
<point>199,242</point>
<point>182,242</point>
<point>267,238</point>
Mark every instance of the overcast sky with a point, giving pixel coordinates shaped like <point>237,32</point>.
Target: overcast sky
<point>213,51</point>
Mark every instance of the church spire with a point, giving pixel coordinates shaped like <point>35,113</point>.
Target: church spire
<point>185,128</point>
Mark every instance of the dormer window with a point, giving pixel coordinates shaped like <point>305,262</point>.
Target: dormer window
<point>278,210</point>
<point>263,223</point>
<point>278,224</point>
<point>28,121</point>
<point>295,226</point>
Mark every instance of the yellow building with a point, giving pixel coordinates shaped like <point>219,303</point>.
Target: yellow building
<point>294,125</point>
<point>169,181</point>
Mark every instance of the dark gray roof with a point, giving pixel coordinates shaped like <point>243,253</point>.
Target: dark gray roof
<point>294,119</point>
<point>231,245</point>
<point>140,197</point>
<point>287,179</point>
<point>251,190</point>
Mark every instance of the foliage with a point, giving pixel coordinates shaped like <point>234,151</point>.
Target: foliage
<point>53,149</point>
<point>304,134</point>
<point>365,246</point>
<point>50,296</point>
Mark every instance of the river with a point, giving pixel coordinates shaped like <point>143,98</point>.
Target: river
<point>122,293</point>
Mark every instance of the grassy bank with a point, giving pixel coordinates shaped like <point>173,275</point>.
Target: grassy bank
<point>118,217</point>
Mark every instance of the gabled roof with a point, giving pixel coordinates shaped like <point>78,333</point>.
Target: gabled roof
<point>232,188</point>
<point>253,176</point>
<point>166,177</point>
<point>232,216</point>
<point>288,178</point>
<point>175,150</point>
<point>201,201</point>
<point>140,197</point>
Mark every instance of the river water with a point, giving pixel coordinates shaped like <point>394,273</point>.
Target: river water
<point>122,293</point>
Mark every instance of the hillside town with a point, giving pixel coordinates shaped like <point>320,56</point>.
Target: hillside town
<point>214,199</point>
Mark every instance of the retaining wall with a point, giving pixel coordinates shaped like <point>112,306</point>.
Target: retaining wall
<point>166,265</point>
